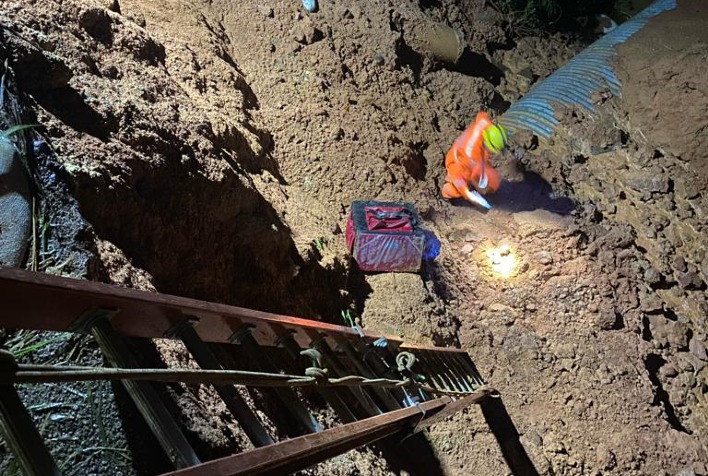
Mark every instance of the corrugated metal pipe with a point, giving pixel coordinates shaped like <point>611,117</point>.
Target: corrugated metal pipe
<point>574,84</point>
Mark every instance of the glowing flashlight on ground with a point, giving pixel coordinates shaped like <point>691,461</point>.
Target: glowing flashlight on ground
<point>502,260</point>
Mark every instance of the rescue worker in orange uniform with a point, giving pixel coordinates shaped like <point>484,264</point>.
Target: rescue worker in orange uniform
<point>468,161</point>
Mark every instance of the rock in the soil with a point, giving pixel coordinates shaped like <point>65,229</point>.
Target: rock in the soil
<point>507,314</point>
<point>652,276</point>
<point>266,11</point>
<point>111,5</point>
<point>544,257</point>
<point>668,371</point>
<point>97,24</point>
<point>606,318</point>
<point>649,181</point>
<point>698,348</point>
<point>534,438</point>
<point>467,249</point>
<point>679,264</point>
<point>668,333</point>
<point>650,302</point>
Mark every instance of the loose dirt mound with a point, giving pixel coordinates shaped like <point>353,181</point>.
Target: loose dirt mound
<point>215,148</point>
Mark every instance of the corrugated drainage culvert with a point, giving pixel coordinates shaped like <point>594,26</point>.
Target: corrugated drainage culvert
<point>574,84</point>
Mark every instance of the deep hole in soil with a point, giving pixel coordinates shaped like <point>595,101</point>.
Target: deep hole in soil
<point>654,362</point>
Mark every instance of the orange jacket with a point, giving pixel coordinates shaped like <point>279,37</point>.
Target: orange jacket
<point>467,159</point>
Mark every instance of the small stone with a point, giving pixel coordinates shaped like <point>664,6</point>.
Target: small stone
<point>531,307</point>
<point>266,11</point>
<point>534,438</point>
<point>447,446</point>
<point>648,182</point>
<point>607,318</point>
<point>337,134</point>
<point>544,257</point>
<point>650,302</point>
<point>679,264</point>
<point>698,348</point>
<point>686,280</point>
<point>668,371</point>
<point>111,5</point>
<point>467,249</point>
<point>652,276</point>
<point>669,333</point>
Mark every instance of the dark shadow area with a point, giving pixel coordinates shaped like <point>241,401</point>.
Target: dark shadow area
<point>653,363</point>
<point>498,103</point>
<point>532,193</point>
<point>414,454</point>
<point>358,288</point>
<point>265,399</point>
<point>475,64</point>
<point>428,4</point>
<point>215,240</point>
<point>507,437</point>
<point>407,56</point>
<point>70,108</point>
<point>147,454</point>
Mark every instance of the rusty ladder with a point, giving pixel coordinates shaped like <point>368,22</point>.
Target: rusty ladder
<point>273,344</point>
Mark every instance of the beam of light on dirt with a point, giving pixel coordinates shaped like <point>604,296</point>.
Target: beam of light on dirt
<point>502,260</point>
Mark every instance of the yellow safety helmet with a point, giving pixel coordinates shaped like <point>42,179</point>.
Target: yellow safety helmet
<point>495,138</point>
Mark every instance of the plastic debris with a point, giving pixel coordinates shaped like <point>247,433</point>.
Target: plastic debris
<point>432,245</point>
<point>381,342</point>
<point>310,5</point>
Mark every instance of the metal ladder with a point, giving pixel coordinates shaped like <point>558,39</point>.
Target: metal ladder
<point>433,382</point>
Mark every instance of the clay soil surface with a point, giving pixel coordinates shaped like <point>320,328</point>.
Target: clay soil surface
<point>214,149</point>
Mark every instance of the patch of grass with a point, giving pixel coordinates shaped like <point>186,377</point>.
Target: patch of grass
<point>87,454</point>
<point>25,342</point>
<point>13,468</point>
<point>348,317</point>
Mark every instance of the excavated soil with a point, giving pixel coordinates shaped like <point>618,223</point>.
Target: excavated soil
<point>214,149</point>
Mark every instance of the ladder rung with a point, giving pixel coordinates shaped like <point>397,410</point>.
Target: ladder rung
<point>22,436</point>
<point>363,402</point>
<point>333,396</point>
<point>382,394</point>
<point>145,396</point>
<point>206,359</point>
<point>285,395</point>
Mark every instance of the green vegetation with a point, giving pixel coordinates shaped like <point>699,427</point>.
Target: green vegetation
<point>320,243</point>
<point>348,318</point>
